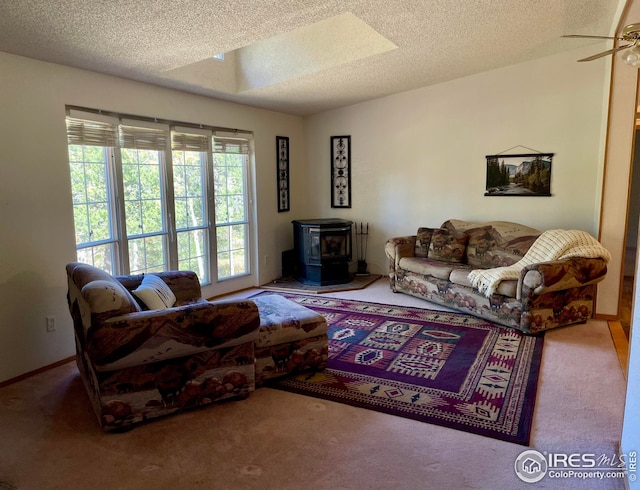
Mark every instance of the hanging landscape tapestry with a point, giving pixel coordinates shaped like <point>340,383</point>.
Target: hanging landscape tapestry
<point>519,175</point>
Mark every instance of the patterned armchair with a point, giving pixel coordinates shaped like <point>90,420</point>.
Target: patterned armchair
<point>172,350</point>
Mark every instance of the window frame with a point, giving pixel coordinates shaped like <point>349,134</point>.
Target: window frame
<point>207,189</point>
<point>244,152</point>
<point>119,241</point>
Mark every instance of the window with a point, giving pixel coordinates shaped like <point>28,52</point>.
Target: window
<point>229,167</point>
<point>151,197</point>
<point>91,187</point>
<point>191,154</point>
<point>145,206</point>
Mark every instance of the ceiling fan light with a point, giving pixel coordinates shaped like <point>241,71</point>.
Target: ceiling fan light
<point>632,56</point>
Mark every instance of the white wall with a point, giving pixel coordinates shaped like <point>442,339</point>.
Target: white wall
<point>418,158</point>
<point>36,220</point>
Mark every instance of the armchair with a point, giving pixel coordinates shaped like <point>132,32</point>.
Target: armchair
<point>139,363</point>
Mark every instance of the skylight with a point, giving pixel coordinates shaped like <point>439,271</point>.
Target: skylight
<point>324,45</point>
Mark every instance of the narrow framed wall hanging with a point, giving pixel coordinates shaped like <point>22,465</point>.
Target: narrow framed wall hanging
<point>341,171</point>
<point>282,160</point>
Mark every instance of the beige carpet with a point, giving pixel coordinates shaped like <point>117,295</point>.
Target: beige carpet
<point>49,438</point>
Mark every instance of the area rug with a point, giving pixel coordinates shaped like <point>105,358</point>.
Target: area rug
<point>293,285</point>
<point>443,368</point>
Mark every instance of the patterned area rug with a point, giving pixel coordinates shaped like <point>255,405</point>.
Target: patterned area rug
<point>443,368</point>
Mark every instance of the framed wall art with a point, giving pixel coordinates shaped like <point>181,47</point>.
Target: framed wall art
<point>341,171</point>
<point>282,161</point>
<point>526,174</point>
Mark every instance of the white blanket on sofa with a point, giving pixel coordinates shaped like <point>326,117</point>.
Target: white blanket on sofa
<point>550,245</point>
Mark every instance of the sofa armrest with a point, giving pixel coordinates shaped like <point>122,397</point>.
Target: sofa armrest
<point>399,247</point>
<point>560,275</point>
<point>201,325</point>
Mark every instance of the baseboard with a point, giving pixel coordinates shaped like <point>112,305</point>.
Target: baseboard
<point>607,318</point>
<point>230,294</point>
<point>37,371</point>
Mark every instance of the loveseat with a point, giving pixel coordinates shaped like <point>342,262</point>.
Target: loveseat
<point>147,349</point>
<point>436,264</point>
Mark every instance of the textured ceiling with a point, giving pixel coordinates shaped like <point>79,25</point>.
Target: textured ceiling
<point>298,56</point>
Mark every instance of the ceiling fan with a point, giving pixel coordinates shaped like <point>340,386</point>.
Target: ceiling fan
<point>630,34</point>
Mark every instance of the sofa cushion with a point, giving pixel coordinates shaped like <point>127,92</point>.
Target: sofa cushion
<point>494,243</point>
<point>155,293</point>
<point>459,276</point>
<point>448,245</point>
<point>423,240</point>
<point>427,267</point>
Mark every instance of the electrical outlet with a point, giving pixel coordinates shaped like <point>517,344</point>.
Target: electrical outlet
<point>51,324</point>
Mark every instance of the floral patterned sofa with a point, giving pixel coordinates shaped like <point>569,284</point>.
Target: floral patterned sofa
<point>435,265</point>
<point>148,350</point>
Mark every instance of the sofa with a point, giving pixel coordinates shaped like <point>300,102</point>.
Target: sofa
<point>543,289</point>
<point>149,345</point>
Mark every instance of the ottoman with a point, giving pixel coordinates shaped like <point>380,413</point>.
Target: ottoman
<point>291,338</point>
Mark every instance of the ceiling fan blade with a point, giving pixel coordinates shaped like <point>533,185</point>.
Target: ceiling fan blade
<point>592,37</point>
<point>605,53</point>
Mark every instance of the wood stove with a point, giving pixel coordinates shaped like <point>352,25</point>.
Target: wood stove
<point>323,250</point>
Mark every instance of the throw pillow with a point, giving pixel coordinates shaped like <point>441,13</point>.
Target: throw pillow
<point>483,241</point>
<point>448,245</point>
<point>108,296</point>
<point>423,240</point>
<point>155,293</point>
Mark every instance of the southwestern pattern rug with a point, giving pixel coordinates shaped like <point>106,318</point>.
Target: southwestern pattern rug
<point>442,368</point>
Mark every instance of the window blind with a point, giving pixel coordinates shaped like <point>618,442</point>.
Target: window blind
<point>190,142</point>
<point>99,133</point>
<point>230,145</point>
<point>143,138</point>
<point>91,133</point>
